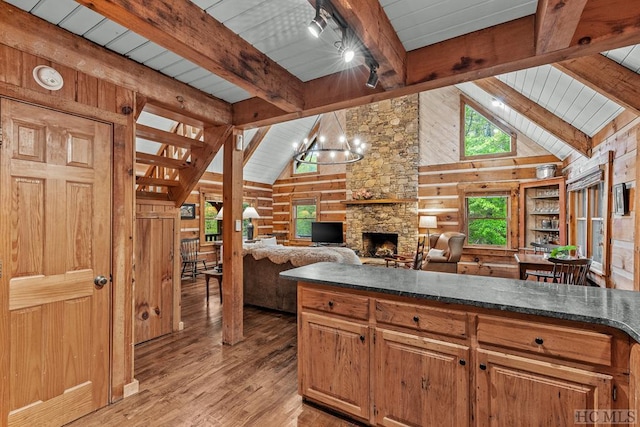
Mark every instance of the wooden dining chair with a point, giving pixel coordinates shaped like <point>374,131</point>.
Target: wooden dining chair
<point>572,271</point>
<point>189,254</point>
<point>409,261</point>
<point>544,276</point>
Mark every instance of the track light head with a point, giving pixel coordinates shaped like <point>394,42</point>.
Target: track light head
<point>319,23</point>
<point>372,82</point>
<point>346,46</point>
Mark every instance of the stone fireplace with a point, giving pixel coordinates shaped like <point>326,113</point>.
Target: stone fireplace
<point>379,245</point>
<point>389,170</point>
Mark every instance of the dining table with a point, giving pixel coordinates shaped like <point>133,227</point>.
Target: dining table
<point>536,262</point>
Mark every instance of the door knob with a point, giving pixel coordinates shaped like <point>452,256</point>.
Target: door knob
<point>100,281</point>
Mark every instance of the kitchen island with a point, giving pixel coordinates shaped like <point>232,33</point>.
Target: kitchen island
<point>404,347</point>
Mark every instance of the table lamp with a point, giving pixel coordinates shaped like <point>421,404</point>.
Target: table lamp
<point>428,222</point>
<point>249,213</point>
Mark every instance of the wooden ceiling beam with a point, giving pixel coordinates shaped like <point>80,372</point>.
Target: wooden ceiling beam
<point>556,23</point>
<point>214,138</point>
<point>606,77</point>
<point>371,25</point>
<point>499,49</point>
<point>27,33</point>
<point>537,114</point>
<point>254,143</point>
<point>184,28</point>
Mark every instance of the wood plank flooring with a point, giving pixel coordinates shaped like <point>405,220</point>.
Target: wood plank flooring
<point>189,378</point>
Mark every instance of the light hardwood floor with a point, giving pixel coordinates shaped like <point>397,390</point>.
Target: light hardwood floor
<point>189,378</point>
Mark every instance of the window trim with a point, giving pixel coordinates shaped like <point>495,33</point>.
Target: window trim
<point>498,122</point>
<point>508,188</point>
<point>211,195</point>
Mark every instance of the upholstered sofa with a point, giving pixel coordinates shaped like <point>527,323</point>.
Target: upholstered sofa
<point>445,252</point>
<point>262,264</point>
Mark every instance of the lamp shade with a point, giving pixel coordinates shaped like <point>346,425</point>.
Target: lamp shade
<point>428,222</point>
<point>219,216</point>
<point>250,212</point>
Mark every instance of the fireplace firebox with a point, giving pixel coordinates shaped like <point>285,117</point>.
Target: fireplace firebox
<point>379,245</point>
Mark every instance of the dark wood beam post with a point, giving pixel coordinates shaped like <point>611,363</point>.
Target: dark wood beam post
<point>232,292</point>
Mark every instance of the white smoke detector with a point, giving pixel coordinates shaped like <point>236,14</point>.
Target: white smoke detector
<point>48,77</point>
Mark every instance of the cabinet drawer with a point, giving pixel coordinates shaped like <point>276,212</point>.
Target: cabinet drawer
<point>445,322</point>
<point>548,340</point>
<point>353,306</point>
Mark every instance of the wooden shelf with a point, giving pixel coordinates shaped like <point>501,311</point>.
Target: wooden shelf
<point>378,201</point>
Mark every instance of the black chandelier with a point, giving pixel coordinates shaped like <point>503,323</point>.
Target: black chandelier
<point>319,151</point>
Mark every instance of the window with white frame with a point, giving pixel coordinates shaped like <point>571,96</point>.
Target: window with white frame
<point>590,219</point>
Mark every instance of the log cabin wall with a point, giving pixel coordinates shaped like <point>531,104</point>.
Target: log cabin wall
<point>617,145</point>
<point>328,187</point>
<point>256,194</point>
<point>442,174</point>
<point>89,96</point>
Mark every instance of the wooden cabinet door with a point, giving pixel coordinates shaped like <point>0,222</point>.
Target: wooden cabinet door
<point>514,390</point>
<point>334,357</point>
<point>154,277</point>
<point>55,203</point>
<point>420,381</point>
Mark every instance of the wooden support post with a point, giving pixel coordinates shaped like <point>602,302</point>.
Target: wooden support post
<point>232,291</point>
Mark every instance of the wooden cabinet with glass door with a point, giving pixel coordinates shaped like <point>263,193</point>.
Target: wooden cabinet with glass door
<point>543,212</point>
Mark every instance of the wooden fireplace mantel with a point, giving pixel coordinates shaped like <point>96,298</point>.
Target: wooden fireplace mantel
<point>378,201</point>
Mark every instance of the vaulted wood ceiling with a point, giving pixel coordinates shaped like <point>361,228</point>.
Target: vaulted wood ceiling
<point>213,37</point>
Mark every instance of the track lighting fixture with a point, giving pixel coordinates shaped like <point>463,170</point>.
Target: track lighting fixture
<point>319,23</point>
<point>372,82</point>
<point>346,46</point>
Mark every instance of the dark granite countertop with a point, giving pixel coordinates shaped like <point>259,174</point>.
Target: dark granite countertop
<point>610,307</point>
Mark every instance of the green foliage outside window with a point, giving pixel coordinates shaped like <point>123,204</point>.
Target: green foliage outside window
<point>211,224</point>
<point>482,136</point>
<point>305,214</point>
<point>306,167</point>
<point>487,220</point>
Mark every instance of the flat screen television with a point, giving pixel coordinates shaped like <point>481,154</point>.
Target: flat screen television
<point>326,232</point>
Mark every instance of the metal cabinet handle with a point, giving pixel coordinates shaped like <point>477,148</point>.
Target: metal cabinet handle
<point>483,367</point>
<point>416,319</point>
<point>330,304</point>
<point>362,338</point>
<point>462,362</point>
<point>539,341</point>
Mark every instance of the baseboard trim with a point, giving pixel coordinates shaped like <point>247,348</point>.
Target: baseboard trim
<point>132,388</point>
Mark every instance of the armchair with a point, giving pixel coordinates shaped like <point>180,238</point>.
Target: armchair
<point>445,252</point>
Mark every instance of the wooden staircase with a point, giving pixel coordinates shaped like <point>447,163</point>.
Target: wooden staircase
<point>185,152</point>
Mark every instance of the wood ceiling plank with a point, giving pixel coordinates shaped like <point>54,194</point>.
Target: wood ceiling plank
<point>184,28</point>
<point>254,143</point>
<point>26,32</point>
<point>537,114</point>
<point>499,49</point>
<point>370,23</point>
<point>164,137</point>
<point>556,23</point>
<point>606,77</point>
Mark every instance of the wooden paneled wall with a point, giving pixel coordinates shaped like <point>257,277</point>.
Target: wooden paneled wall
<point>622,145</point>
<point>257,194</point>
<point>328,189</point>
<point>442,172</point>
